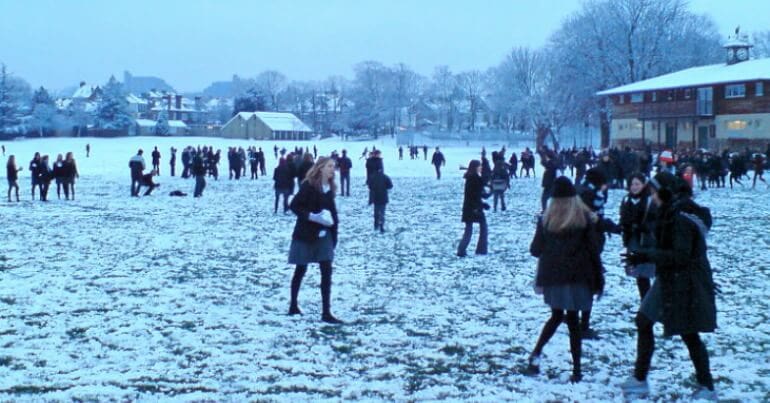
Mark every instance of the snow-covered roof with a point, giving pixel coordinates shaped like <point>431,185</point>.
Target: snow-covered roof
<point>152,123</point>
<point>133,99</point>
<point>751,70</point>
<point>146,122</point>
<point>276,121</point>
<point>84,91</point>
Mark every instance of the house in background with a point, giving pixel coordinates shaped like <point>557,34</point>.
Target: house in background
<point>146,127</point>
<point>711,107</point>
<point>266,126</point>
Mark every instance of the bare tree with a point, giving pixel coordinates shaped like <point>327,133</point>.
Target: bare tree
<point>271,83</point>
<point>761,42</point>
<point>615,42</point>
<point>472,85</point>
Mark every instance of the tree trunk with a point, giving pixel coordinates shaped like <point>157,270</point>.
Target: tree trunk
<point>604,127</point>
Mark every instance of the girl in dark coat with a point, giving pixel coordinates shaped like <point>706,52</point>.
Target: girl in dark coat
<point>569,269</point>
<point>59,176</point>
<point>12,174</point>
<point>44,178</point>
<point>315,232</point>
<point>637,220</point>
<point>283,183</point>
<point>71,168</point>
<point>473,210</point>
<point>683,294</point>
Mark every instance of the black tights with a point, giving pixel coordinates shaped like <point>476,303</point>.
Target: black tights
<point>557,316</point>
<point>326,285</point>
<point>645,346</point>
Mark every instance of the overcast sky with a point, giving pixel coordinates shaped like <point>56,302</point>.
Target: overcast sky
<point>190,43</point>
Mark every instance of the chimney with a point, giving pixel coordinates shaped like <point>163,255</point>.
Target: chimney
<point>178,102</point>
<point>82,83</point>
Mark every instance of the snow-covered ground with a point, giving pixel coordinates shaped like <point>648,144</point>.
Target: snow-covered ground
<point>113,297</point>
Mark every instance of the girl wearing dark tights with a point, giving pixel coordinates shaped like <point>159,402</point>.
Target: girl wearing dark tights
<point>569,270</point>
<point>637,220</point>
<point>315,233</point>
<point>12,172</point>
<point>683,295</point>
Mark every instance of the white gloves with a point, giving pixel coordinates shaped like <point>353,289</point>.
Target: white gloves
<point>324,218</point>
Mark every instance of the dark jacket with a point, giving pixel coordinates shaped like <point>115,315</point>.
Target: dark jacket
<point>379,184</point>
<point>283,178</point>
<point>438,159</point>
<point>683,268</point>
<point>59,170</point>
<point>549,175</point>
<point>344,164</point>
<point>12,173</point>
<point>311,200</point>
<point>571,257</point>
<point>637,220</point>
<point>473,205</point>
<point>34,165</point>
<point>373,164</point>
<point>136,163</point>
<point>198,165</point>
<point>304,167</point>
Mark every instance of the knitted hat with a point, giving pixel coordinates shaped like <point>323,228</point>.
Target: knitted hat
<point>595,177</point>
<point>562,187</point>
<point>665,184</point>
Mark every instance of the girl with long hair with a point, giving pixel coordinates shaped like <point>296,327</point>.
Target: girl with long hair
<point>569,270</point>
<point>315,233</point>
<point>637,220</point>
<point>12,173</point>
<point>473,210</point>
<point>72,174</point>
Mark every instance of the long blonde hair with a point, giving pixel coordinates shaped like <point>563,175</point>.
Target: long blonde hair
<point>566,213</point>
<point>314,175</point>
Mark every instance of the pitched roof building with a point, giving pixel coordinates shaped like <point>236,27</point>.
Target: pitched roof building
<point>711,107</point>
<point>266,126</point>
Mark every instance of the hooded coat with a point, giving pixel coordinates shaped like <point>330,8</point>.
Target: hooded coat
<point>683,268</point>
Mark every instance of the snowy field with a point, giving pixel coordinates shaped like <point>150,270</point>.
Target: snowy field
<point>159,298</point>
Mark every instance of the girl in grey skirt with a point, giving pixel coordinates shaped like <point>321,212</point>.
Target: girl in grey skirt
<point>569,268</point>
<point>315,233</point>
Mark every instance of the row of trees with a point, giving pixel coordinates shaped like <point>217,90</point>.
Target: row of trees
<point>25,112</point>
<point>606,43</point>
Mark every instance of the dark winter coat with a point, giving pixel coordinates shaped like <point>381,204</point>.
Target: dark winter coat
<point>344,165</point>
<point>136,163</point>
<point>12,173</point>
<point>311,200</point>
<point>683,268</point>
<point>549,175</point>
<point>571,257</point>
<point>283,179</point>
<point>59,170</point>
<point>637,220</point>
<point>438,159</point>
<point>303,169</point>
<point>198,165</point>
<point>34,165</point>
<point>379,184</point>
<point>473,205</point>
<point>373,165</point>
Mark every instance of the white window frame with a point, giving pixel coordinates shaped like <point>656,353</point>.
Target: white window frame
<point>735,91</point>
<point>637,97</point>
<point>759,89</point>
